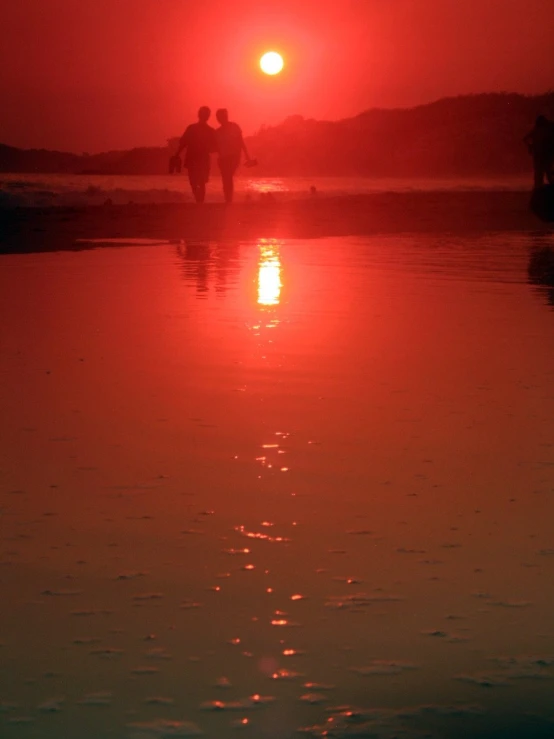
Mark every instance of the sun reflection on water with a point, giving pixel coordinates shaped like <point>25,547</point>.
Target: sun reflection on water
<point>269,273</point>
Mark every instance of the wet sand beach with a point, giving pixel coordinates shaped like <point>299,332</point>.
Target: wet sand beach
<point>279,470</point>
<point>45,229</point>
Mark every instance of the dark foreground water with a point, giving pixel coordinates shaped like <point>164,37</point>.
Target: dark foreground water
<point>262,488</point>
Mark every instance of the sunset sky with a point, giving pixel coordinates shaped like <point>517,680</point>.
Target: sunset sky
<point>109,74</point>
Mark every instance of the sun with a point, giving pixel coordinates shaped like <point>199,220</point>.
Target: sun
<point>271,62</point>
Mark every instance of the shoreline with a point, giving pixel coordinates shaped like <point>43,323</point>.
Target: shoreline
<point>24,230</point>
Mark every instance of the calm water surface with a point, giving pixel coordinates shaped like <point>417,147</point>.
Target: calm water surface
<point>251,489</point>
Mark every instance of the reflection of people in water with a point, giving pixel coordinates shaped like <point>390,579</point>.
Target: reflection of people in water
<point>206,262</point>
<point>196,256</point>
<point>230,144</point>
<point>540,142</point>
<point>199,141</point>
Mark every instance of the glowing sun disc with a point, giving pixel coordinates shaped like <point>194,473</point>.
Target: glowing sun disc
<point>271,63</point>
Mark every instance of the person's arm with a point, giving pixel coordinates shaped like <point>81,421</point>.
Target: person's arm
<point>528,140</point>
<point>182,143</point>
<point>243,146</point>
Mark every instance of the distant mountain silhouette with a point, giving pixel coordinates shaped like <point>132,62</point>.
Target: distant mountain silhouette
<point>459,136</point>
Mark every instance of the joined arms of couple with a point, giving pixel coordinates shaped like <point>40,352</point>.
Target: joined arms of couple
<point>528,141</point>
<point>183,143</point>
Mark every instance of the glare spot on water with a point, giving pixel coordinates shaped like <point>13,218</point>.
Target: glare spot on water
<point>284,674</point>
<point>269,273</point>
<point>236,551</point>
<point>240,705</point>
<point>240,723</point>
<point>283,622</point>
<point>259,535</point>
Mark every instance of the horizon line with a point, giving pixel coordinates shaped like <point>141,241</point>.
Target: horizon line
<point>496,93</point>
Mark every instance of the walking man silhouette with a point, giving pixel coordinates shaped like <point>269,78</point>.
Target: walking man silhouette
<point>199,141</point>
<point>540,141</point>
<point>230,144</point>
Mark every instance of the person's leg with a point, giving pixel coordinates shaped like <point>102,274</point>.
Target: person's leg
<point>228,187</point>
<point>197,184</point>
<point>550,170</point>
<point>226,169</point>
<point>538,171</point>
<point>193,180</point>
<point>200,192</point>
<point>203,177</point>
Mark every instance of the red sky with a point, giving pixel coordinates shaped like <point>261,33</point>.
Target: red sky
<point>109,74</point>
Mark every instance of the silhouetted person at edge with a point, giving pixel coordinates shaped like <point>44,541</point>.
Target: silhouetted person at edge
<point>540,269</point>
<point>540,141</point>
<point>199,141</point>
<point>230,144</point>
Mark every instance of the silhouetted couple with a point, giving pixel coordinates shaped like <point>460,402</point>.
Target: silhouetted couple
<point>200,140</point>
<point>540,141</point>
